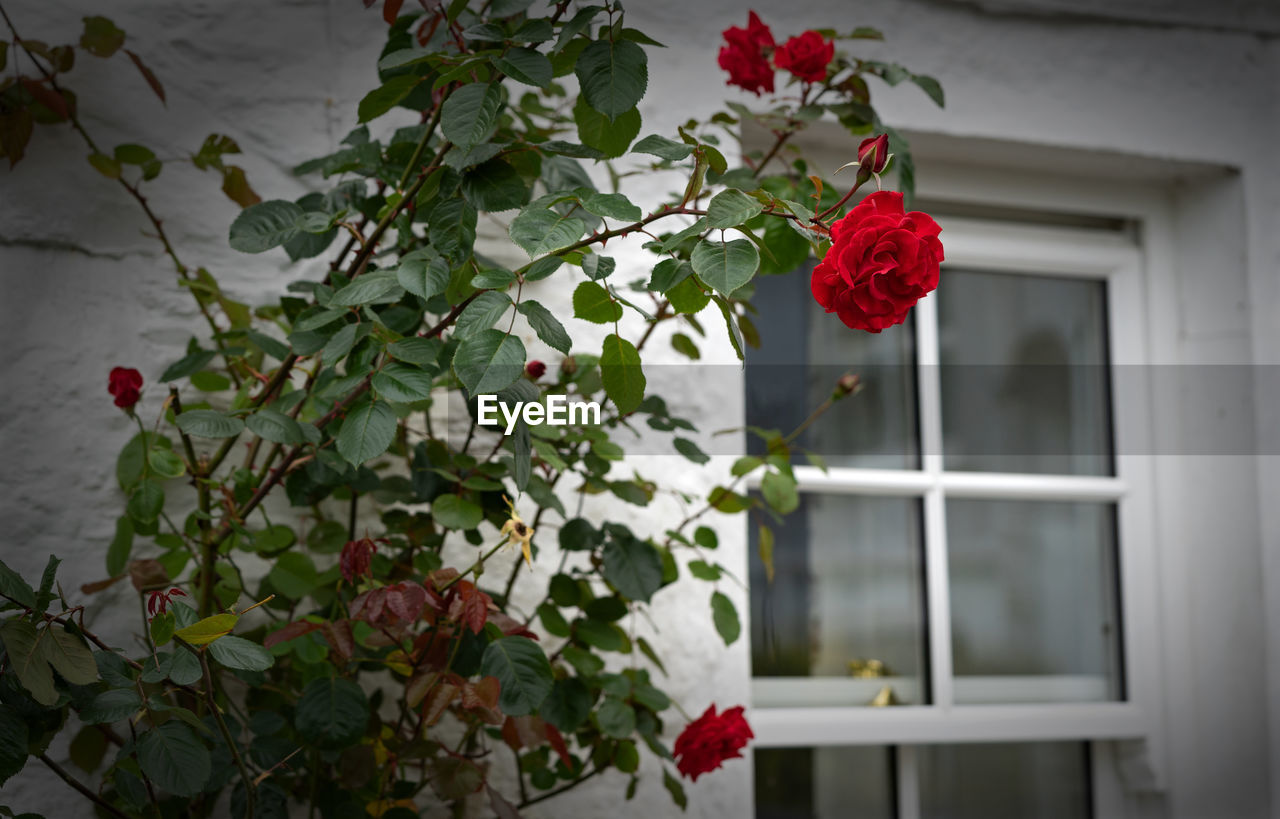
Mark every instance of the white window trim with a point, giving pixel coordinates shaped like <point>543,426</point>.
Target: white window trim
<point>1141,315</point>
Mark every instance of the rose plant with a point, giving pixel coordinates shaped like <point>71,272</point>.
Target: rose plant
<point>367,670</point>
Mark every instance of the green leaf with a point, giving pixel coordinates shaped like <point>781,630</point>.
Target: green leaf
<point>121,546</point>
<point>706,537</point>
<point>591,302</point>
<point>470,114</point>
<point>489,361</point>
<point>108,166</point>
<point>600,267</point>
<point>725,617</point>
<point>683,344</point>
<point>209,424</point>
<point>401,384</point>
<point>617,719</point>
<point>662,148</point>
<point>704,570</point>
<point>540,230</point>
<point>365,289</point>
<point>455,512</point>
<point>613,75</point>
<point>207,630</point>
<point>765,545</point>
<point>27,652</point>
<point>367,432</point>
<point>265,225</point>
<point>238,653</point>
<point>12,585</point>
<point>101,37</point>
<point>294,575</point>
<point>332,713</point>
<point>633,566</point>
<point>423,278</point>
<point>70,657</point>
<point>47,578</point>
<point>274,426</point>
<point>481,314</point>
<point>691,451</point>
<point>338,345</point>
<point>568,704</point>
<point>420,351</point>
<point>145,504</point>
<point>382,99</point>
<point>612,205</point>
<point>525,65</point>
<point>731,208</point>
<point>610,136</point>
<point>620,371</point>
<point>674,788</point>
<point>931,87</point>
<point>162,627</point>
<point>546,325</point>
<point>174,759</point>
<point>188,364</point>
<point>780,493</point>
<point>495,186</point>
<point>523,672</point>
<point>165,463</point>
<point>725,266</point>
<point>111,706</point>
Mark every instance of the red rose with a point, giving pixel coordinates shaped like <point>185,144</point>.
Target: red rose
<point>881,262</point>
<point>709,740</point>
<point>125,383</point>
<point>535,369</point>
<point>357,558</point>
<point>873,153</point>
<point>806,56</point>
<point>744,56</point>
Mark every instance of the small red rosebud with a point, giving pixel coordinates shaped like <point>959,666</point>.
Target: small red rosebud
<point>873,154</point>
<point>535,369</point>
<point>158,601</point>
<point>357,559</point>
<point>125,383</point>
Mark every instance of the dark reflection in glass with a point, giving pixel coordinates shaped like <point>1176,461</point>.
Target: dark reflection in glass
<point>1025,377</point>
<point>803,352</point>
<point>1046,780</point>
<point>824,783</point>
<point>847,587</point>
<point>1033,593</point>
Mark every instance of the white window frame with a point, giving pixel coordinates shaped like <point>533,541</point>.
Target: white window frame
<point>1135,722</point>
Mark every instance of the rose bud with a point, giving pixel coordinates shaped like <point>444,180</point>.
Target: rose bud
<point>569,366</point>
<point>535,369</point>
<point>846,385</point>
<point>873,154</point>
<point>125,383</point>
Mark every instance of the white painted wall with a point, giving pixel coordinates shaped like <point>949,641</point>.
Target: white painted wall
<point>83,291</point>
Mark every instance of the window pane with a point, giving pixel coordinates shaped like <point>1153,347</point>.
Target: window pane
<point>1025,380</point>
<point>847,591</point>
<point>804,352</point>
<point>824,783</point>
<point>1033,601</point>
<point>1047,780</point>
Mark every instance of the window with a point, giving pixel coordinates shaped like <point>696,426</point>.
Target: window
<point>973,554</point>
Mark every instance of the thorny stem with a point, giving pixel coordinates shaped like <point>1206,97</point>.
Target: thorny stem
<point>250,796</point>
<point>76,783</point>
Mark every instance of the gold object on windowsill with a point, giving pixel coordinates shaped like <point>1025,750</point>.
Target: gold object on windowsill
<point>859,667</point>
<point>885,698</point>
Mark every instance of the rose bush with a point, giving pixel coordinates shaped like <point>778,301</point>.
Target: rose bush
<point>325,618</point>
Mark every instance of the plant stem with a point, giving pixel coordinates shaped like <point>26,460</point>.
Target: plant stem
<point>563,788</point>
<point>250,797</point>
<point>77,784</point>
<point>477,564</point>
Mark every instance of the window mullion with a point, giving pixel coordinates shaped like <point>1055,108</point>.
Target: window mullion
<point>907,781</point>
<point>937,589</point>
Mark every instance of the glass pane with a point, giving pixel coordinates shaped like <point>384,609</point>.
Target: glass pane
<point>1025,380</point>
<point>804,352</point>
<point>1033,601</point>
<point>1047,780</point>
<point>843,618</point>
<point>824,783</point>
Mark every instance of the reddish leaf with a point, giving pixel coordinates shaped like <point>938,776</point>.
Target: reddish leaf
<point>390,9</point>
<point>471,608</point>
<point>148,76</point>
<point>47,97</point>
<point>442,576</point>
<point>437,701</point>
<point>289,632</point>
<point>147,573</point>
<point>368,606</point>
<point>236,187</point>
<point>501,807</point>
<point>418,686</point>
<point>15,133</point>
<point>406,600</point>
<point>100,585</point>
<point>558,745</point>
<point>524,732</point>
<point>510,626</point>
<point>482,693</point>
<point>341,640</point>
